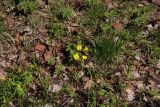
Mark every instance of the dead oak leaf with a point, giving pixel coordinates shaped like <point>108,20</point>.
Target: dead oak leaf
<point>47,55</point>
<point>40,47</point>
<point>117,25</point>
<point>18,38</point>
<point>152,84</point>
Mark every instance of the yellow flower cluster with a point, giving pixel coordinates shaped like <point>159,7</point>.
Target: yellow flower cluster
<point>84,57</point>
<point>79,47</point>
<point>77,56</point>
<point>85,49</point>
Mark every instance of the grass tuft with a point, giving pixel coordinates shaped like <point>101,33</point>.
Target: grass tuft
<point>107,49</point>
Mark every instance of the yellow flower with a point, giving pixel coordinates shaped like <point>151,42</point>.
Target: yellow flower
<point>85,49</point>
<point>79,47</point>
<point>84,57</point>
<point>76,56</point>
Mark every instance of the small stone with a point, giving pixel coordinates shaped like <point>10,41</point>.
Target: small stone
<point>145,33</point>
<point>80,74</point>
<point>116,39</point>
<point>118,74</point>
<point>156,26</point>
<point>37,55</point>
<point>145,98</point>
<point>72,101</point>
<point>55,88</point>
<point>150,27</point>
<point>27,30</point>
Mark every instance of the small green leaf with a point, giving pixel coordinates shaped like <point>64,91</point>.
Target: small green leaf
<point>102,92</point>
<point>102,105</point>
<point>51,61</point>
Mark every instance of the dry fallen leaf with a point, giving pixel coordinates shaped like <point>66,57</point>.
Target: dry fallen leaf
<point>11,22</point>
<point>99,80</point>
<point>135,73</point>
<point>18,38</point>
<point>47,55</point>
<point>152,84</point>
<point>130,95</point>
<point>130,92</point>
<point>40,47</point>
<point>88,84</point>
<point>109,4</point>
<point>136,63</point>
<point>13,56</point>
<point>117,25</point>
<point>5,64</point>
<point>137,57</point>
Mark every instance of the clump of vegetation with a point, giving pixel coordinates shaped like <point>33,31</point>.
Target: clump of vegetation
<point>2,25</point>
<point>61,10</point>
<point>66,11</point>
<point>56,29</point>
<point>107,48</point>
<point>14,85</point>
<point>28,6</point>
<point>77,52</point>
<point>94,14</point>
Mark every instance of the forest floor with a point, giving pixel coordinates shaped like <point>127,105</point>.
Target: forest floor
<point>80,53</point>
